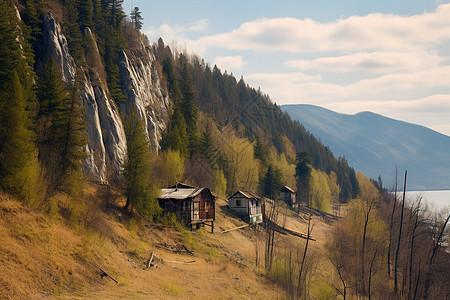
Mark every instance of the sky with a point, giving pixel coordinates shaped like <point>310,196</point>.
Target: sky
<point>388,57</point>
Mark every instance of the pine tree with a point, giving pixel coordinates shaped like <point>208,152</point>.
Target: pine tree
<point>136,18</point>
<point>68,130</point>
<point>18,161</point>
<point>260,152</point>
<point>188,105</point>
<point>99,25</point>
<point>61,130</point>
<point>207,149</point>
<point>271,184</point>
<point>72,30</point>
<point>32,18</point>
<point>85,14</point>
<point>141,192</point>
<point>18,168</point>
<point>113,42</point>
<point>174,137</point>
<point>303,173</point>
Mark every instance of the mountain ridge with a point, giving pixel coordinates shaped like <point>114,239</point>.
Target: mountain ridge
<point>375,144</point>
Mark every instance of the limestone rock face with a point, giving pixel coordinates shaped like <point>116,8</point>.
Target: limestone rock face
<point>141,85</point>
<point>56,45</point>
<point>107,141</point>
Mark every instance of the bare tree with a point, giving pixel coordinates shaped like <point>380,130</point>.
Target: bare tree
<point>391,223</point>
<point>301,276</point>
<point>270,222</point>
<point>434,253</point>
<point>399,238</point>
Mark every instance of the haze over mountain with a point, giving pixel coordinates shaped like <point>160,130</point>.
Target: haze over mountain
<point>375,145</point>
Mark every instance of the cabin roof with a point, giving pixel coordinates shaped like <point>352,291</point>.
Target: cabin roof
<point>180,194</point>
<point>249,195</point>
<point>182,185</point>
<point>288,188</point>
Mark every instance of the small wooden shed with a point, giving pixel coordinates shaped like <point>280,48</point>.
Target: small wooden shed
<point>247,205</point>
<point>191,205</point>
<point>288,195</point>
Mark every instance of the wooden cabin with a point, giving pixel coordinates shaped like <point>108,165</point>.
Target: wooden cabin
<point>288,195</point>
<point>247,205</point>
<point>191,205</point>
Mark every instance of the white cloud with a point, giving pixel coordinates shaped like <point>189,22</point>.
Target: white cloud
<point>356,33</point>
<point>391,63</point>
<point>229,63</point>
<point>177,32</point>
<point>302,88</point>
<point>373,62</point>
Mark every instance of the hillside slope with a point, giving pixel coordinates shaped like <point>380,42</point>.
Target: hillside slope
<point>375,145</point>
<point>43,257</point>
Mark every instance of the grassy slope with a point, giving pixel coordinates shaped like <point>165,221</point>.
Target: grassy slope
<point>43,257</point>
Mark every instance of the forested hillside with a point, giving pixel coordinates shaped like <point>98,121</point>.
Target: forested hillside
<point>210,111</point>
<point>249,114</point>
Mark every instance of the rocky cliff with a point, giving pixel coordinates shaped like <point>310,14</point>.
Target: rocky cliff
<point>141,86</point>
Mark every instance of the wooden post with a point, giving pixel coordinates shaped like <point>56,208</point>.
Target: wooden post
<point>212,227</point>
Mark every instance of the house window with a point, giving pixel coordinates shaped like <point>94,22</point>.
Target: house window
<point>238,202</point>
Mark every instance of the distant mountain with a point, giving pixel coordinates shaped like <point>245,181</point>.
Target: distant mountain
<point>375,144</point>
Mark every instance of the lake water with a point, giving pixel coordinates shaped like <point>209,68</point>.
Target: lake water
<point>439,199</point>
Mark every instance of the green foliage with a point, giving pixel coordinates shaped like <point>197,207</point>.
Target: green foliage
<point>287,169</point>
<point>61,131</point>
<point>174,138</point>
<point>252,114</point>
<point>18,167</point>
<point>72,29</point>
<point>33,20</point>
<point>188,105</point>
<point>18,155</point>
<point>207,149</point>
<point>260,152</point>
<point>172,169</point>
<point>136,18</point>
<point>85,14</point>
<point>241,169</point>
<point>220,183</point>
<point>319,191</point>
<point>303,174</point>
<point>271,184</point>
<point>141,191</point>
<point>181,133</point>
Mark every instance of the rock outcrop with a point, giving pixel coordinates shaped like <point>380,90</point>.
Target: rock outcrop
<point>107,141</point>
<point>141,85</point>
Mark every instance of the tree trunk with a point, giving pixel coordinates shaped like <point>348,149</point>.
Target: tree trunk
<point>391,224</point>
<point>300,273</point>
<point>436,248</point>
<point>411,254</point>
<point>399,238</point>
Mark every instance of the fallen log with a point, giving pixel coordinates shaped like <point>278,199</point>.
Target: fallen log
<point>149,262</point>
<point>104,274</point>
<point>236,228</point>
<point>175,248</point>
<point>180,262</point>
<point>284,230</point>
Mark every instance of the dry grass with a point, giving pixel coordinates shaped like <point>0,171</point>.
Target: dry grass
<point>44,256</point>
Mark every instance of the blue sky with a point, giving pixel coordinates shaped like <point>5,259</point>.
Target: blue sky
<point>389,57</point>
